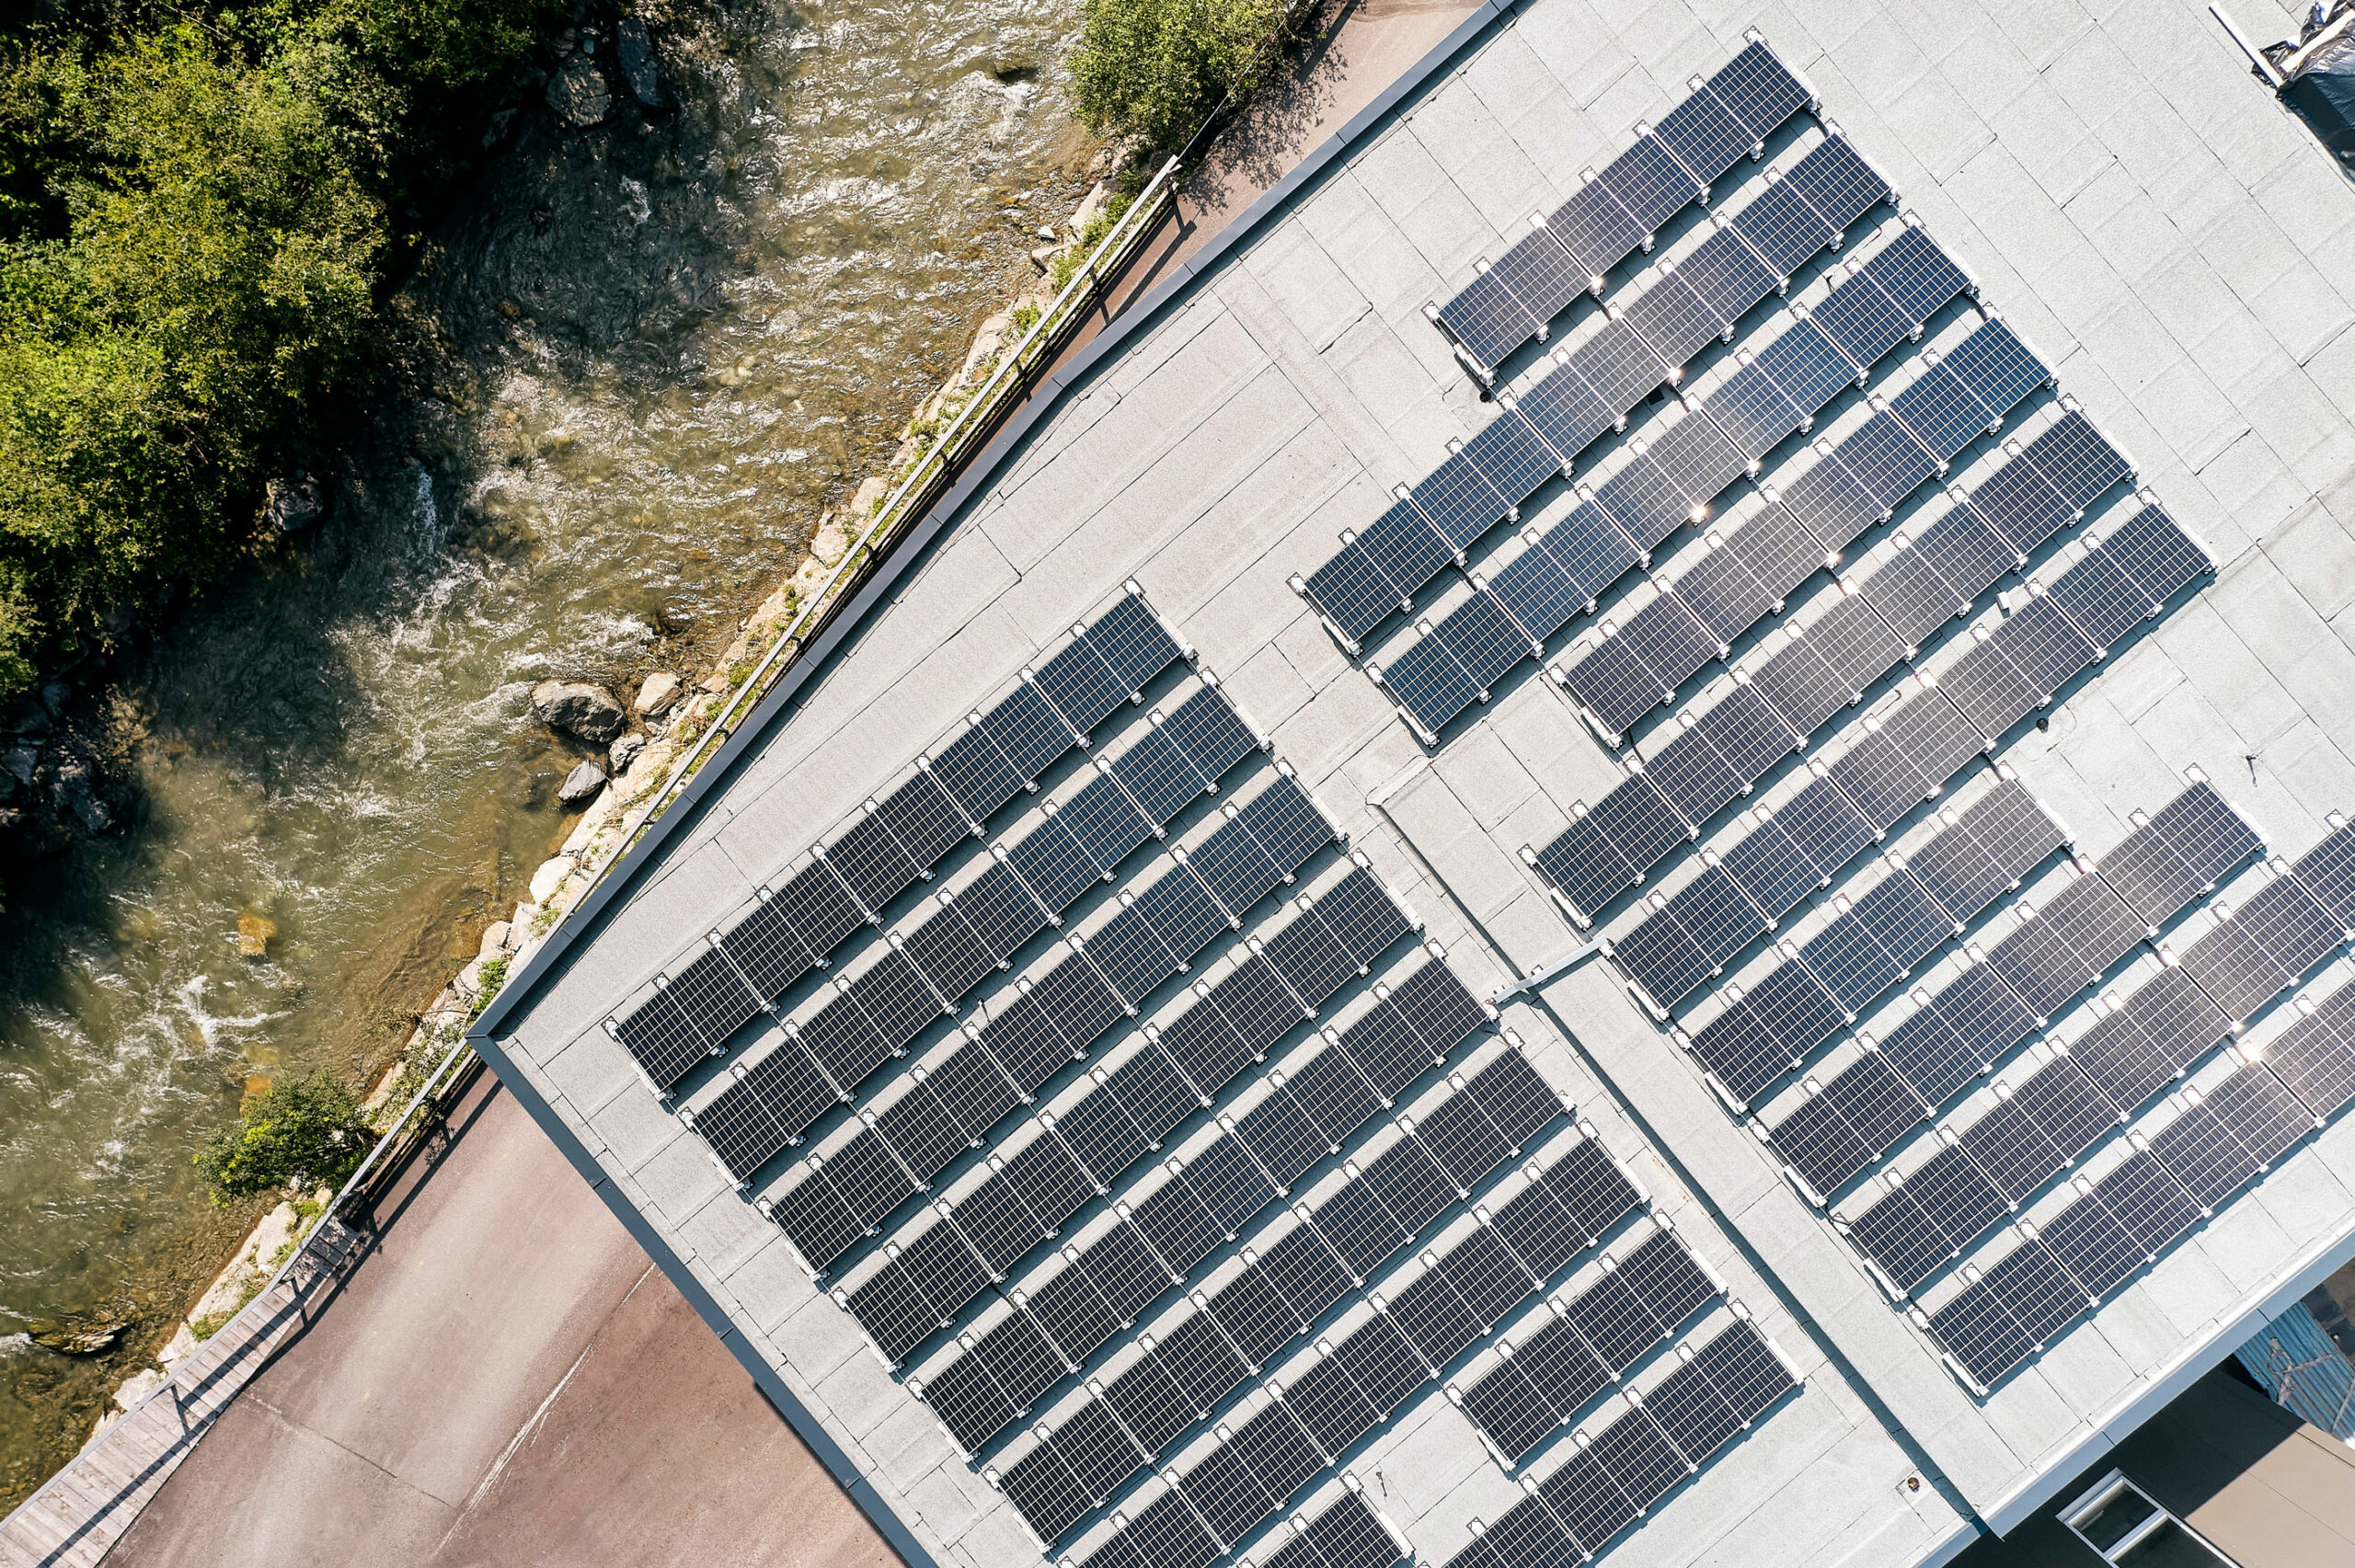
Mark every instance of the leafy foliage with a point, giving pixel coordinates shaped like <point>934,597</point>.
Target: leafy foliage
<point>1156,69</point>
<point>195,240</point>
<point>306,1132</point>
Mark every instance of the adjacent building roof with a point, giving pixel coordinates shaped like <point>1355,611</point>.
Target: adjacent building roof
<point>1786,1001</point>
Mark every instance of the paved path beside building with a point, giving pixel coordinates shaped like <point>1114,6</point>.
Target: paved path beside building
<point>504,1379</point>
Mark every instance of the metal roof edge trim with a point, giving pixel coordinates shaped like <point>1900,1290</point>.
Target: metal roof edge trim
<point>587,914</point>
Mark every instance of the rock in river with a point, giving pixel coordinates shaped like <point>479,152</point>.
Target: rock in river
<point>294,504</point>
<point>624,753</point>
<point>578,91</point>
<point>661,688</point>
<point>635,48</point>
<point>581,783</point>
<point>577,708</point>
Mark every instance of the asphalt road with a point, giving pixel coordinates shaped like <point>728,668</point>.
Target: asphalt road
<point>504,1379</point>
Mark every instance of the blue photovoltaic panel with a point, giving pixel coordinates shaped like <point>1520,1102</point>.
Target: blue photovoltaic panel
<point>1488,318</point>
<point>1353,593</point>
<point>1511,457</point>
<point>1650,183</point>
<point>1759,90</point>
<point>1702,134</point>
<point>1458,503</point>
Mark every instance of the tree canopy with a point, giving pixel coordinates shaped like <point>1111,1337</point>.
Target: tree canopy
<point>195,239</point>
<point>1156,69</point>
<point>301,1133</point>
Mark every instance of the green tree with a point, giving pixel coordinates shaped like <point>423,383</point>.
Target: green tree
<point>1156,68</point>
<point>306,1132</point>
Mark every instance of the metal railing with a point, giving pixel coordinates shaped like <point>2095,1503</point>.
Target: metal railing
<point>972,424</point>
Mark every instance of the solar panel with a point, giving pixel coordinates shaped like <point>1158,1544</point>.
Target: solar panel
<point>998,1225</point>
<point>1386,1051</point>
<point>1639,1456</point>
<point>1689,938</point>
<point>871,862</point>
<point>1182,913</point>
<point>1158,775</point>
<point>1838,183</point>
<point>972,1091</point>
<point>1347,1535</point>
<point>1566,411</point>
<point>1043,1488</point>
<point>2012,1149</point>
<point>765,949</point>
<point>1673,320</point>
<point>1650,183</point>
<point>1168,1535</point>
<point>941,1265</point>
<point>1457,502</point>
<point>1330,1093</point>
<point>1800,685</point>
<point>2267,1119</point>
<point>1080,685</point>
<point>1488,318</point>
<point>1179,1227</point>
<point>1587,1500</point>
<point>660,1039</point>
<point>1000,912</point>
<point>1360,1226</point>
<point>1784,227</point>
<point>1411,1186</point>
<point>1330,1405</point>
<point>975,773</point>
<point>1488,1277</point>
<point>1691,775</point>
<point>1385,1366</point>
<point>1352,592</point>
<point>1728,275</point>
<point>2148,1202</point>
<point>1619,366</point>
<point>925,820</point>
<point>1836,1133</point>
<point>1563,1366</point>
<point>1104,823</point>
<point>1591,1186</point>
<point>947,953</point>
<point>1541,1232</point>
<point>1608,847</point>
<point>1861,320</point>
<point>1461,1139</point>
<point>1431,1314</point>
<point>1255,1315</point>
<point>1429,682</point>
<point>1509,1409</point>
<point>1702,135</point>
<point>2202,1153</point>
<point>2316,1063</point>
<point>1692,1412</point>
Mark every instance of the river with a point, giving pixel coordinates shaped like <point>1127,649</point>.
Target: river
<point>659,347</point>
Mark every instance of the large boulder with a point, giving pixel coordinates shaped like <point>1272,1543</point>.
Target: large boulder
<point>578,93</point>
<point>76,793</point>
<point>661,688</point>
<point>581,784</point>
<point>635,48</point>
<point>579,709</point>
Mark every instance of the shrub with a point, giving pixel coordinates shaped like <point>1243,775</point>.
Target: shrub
<point>1156,68</point>
<point>301,1133</point>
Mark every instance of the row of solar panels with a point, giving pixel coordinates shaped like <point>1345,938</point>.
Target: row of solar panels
<point>1084,1458</point>
<point>795,927</point>
<point>2010,987</point>
<point>920,1286</point>
<point>1725,118</point>
<point>1677,477</point>
<point>2007,674</point>
<point>1615,1475</point>
<point>1348,1534</point>
<point>1353,1384</point>
<point>847,1194</point>
<point>1594,385</point>
<point>1001,1372</point>
<point>2216,1143</point>
<point>1630,669</point>
<point>1874,939</point>
<point>1546,1378</point>
<point>771,1100</point>
<point>2055,1112</point>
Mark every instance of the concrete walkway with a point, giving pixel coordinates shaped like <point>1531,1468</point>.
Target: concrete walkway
<point>506,1380</point>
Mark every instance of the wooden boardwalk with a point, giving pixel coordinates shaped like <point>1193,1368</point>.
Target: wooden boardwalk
<point>75,1520</point>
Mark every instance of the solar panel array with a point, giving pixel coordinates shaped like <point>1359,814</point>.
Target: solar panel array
<point>698,1005</point>
<point>920,1285</point>
<point>1594,386</point>
<point>1084,1458</point>
<point>821,1059</point>
<point>1748,574</point>
<point>2011,986</point>
<point>1348,1534</point>
<point>1910,752</point>
<point>1981,852</point>
<point>1987,1170</point>
<point>1616,212</point>
<point>1311,1414</point>
<point>1001,1371</point>
<point>2215,1144</point>
<point>1618,1473</point>
<point>835,1200</point>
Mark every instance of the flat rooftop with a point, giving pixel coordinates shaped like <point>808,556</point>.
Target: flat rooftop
<point>1919,863</point>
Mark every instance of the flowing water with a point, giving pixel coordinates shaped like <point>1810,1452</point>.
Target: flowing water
<point>659,347</point>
